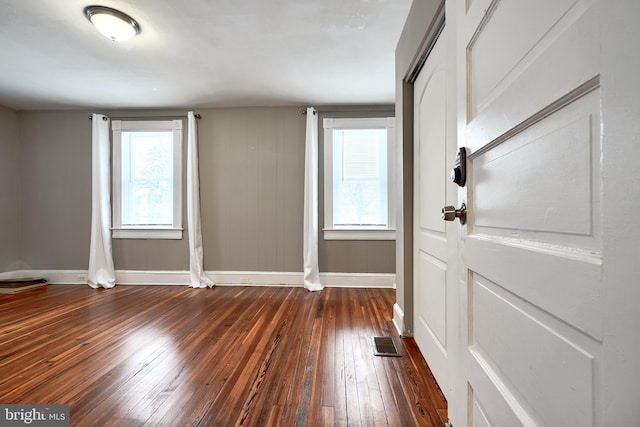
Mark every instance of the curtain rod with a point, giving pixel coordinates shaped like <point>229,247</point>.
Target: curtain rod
<point>338,110</point>
<point>197,116</point>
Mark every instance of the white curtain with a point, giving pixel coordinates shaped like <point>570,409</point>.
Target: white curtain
<point>310,240</point>
<point>101,272</point>
<point>196,270</point>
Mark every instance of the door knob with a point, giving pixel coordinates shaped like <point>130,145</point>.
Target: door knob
<point>450,213</point>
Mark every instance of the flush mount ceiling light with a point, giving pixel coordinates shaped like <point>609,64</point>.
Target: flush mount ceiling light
<point>112,23</point>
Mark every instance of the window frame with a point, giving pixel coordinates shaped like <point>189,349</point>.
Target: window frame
<point>173,232</point>
<point>330,231</point>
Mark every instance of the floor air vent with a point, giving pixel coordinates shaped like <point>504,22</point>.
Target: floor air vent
<point>386,346</point>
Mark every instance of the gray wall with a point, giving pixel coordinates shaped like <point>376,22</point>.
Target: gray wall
<point>56,199</point>
<point>252,178</point>
<point>9,190</point>
<point>252,175</point>
<point>55,171</point>
<point>251,172</point>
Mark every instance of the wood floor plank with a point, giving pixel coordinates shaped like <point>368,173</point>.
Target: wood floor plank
<point>245,356</point>
<point>340,400</point>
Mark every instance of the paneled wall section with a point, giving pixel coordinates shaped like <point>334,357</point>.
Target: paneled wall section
<point>9,190</point>
<point>251,172</point>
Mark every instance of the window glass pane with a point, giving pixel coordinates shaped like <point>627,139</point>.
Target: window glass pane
<point>360,178</point>
<point>147,178</point>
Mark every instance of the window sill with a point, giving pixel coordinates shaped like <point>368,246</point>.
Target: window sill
<point>371,234</point>
<point>147,233</point>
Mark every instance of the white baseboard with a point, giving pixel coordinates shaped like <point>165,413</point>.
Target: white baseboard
<point>123,277</point>
<point>221,278</point>
<point>149,277</point>
<point>70,277</point>
<point>9,275</point>
<point>67,277</point>
<point>357,280</point>
<point>398,320</point>
<point>331,280</point>
<point>255,278</point>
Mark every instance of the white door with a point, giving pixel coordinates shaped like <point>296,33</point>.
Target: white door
<point>434,153</point>
<point>548,311</point>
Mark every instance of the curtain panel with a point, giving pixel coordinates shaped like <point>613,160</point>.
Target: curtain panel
<point>101,272</point>
<point>310,239</point>
<point>194,226</point>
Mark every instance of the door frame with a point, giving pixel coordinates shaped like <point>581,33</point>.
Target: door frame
<point>414,47</point>
<point>415,43</point>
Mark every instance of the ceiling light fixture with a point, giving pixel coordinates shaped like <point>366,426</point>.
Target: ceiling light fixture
<point>112,23</point>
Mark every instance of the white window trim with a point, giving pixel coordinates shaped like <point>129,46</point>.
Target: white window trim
<point>330,232</point>
<point>123,232</point>
<point>360,234</point>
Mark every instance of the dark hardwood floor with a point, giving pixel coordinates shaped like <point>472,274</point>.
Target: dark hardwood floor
<point>251,356</point>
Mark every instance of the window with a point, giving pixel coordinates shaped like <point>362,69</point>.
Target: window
<point>359,179</point>
<point>147,179</point>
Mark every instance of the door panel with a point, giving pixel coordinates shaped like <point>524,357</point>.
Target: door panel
<point>521,346</point>
<point>432,137</point>
<point>567,287</point>
<point>433,156</point>
<point>561,66</point>
<point>479,416</point>
<point>433,294</point>
<point>515,183</point>
<point>532,247</point>
<point>488,66</point>
<point>536,207</point>
<point>498,414</point>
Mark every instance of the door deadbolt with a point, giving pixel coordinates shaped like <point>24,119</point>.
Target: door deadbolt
<point>450,213</point>
<point>459,171</point>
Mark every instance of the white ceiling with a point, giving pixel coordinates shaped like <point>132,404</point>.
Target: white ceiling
<point>200,53</point>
